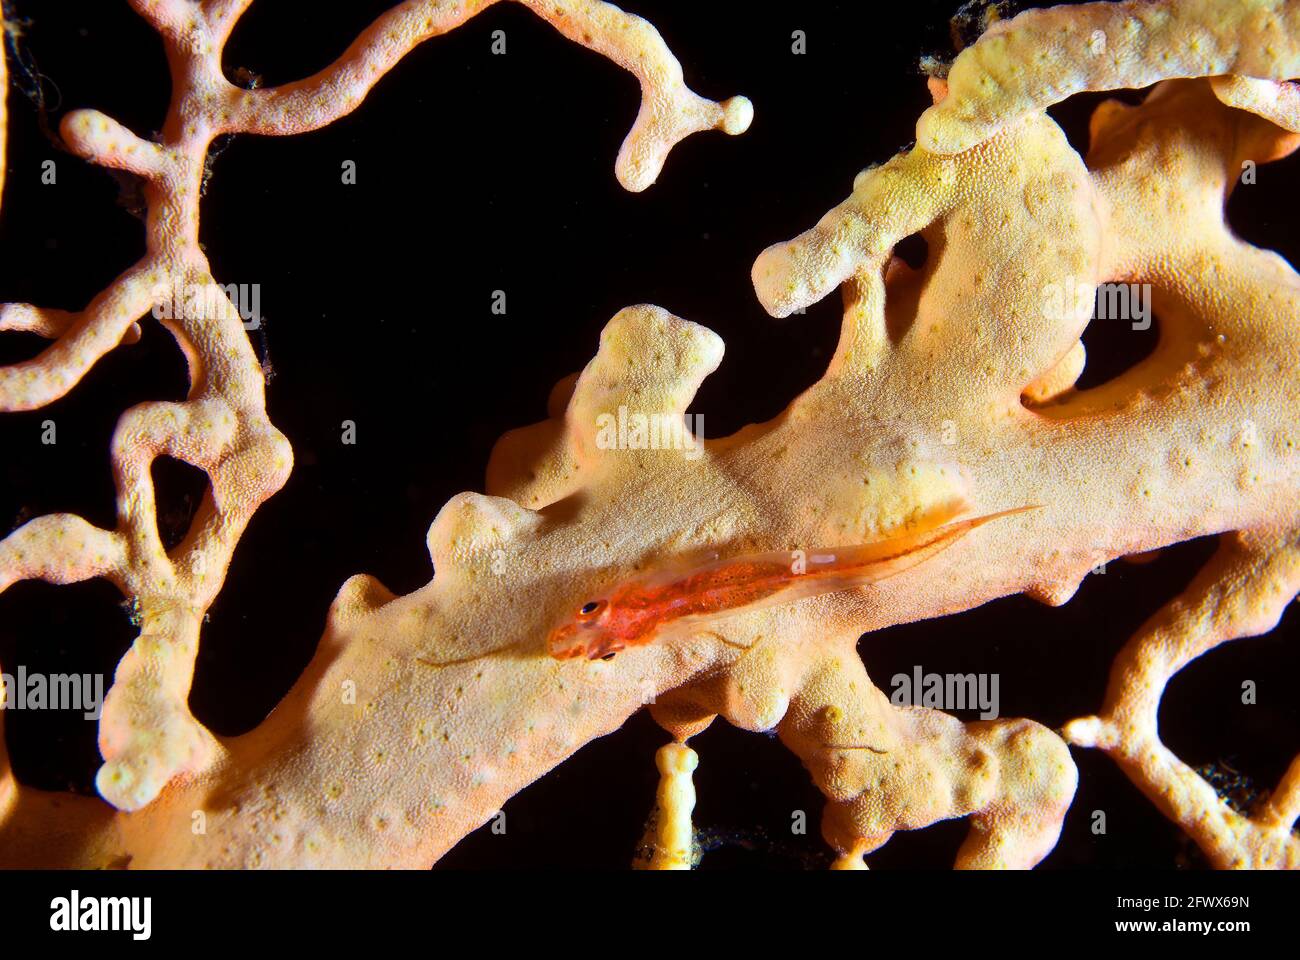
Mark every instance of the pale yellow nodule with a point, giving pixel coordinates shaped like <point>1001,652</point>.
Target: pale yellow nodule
<point>674,836</point>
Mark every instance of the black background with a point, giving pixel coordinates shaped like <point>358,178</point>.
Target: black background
<point>477,173</point>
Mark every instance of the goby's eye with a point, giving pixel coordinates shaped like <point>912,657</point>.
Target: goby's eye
<point>591,607</point>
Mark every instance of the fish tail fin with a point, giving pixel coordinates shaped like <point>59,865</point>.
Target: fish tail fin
<point>857,566</point>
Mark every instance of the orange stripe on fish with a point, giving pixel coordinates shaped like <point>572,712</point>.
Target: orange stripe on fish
<point>637,610</point>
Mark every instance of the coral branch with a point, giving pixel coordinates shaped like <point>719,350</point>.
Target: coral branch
<point>671,839</point>
<point>102,140</point>
<point>47,323</point>
<point>147,735</point>
<point>1279,103</point>
<point>110,319</point>
<point>670,111</point>
<point>1282,809</point>
<point>1240,593</point>
<point>60,548</point>
<point>1024,65</point>
<point>222,15</point>
<point>168,17</point>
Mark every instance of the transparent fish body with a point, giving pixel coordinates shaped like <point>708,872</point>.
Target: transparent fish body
<point>645,607</point>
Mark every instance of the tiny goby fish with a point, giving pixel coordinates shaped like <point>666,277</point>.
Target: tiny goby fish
<point>637,610</point>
